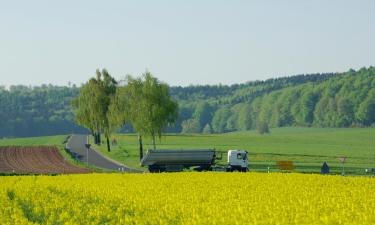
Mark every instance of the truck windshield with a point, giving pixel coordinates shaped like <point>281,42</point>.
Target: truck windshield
<point>241,156</point>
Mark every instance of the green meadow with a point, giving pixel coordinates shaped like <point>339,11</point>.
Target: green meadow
<point>34,141</point>
<point>307,148</point>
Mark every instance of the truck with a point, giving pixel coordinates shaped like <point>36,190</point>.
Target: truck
<point>198,159</point>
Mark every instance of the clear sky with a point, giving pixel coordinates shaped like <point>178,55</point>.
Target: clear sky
<point>182,42</point>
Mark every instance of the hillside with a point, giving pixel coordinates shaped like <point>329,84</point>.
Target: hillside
<point>319,100</point>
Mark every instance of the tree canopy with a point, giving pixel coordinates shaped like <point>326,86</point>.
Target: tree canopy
<point>93,104</point>
<point>146,103</point>
<point>320,100</point>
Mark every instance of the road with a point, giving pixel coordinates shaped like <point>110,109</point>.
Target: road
<point>76,146</point>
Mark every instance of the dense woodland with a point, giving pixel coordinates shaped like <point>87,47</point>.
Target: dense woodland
<point>320,100</point>
<point>35,111</point>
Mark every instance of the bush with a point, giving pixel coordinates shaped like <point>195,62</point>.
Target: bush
<point>262,127</point>
<point>190,126</point>
<point>207,129</point>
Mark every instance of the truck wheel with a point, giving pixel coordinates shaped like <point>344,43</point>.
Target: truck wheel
<point>153,169</point>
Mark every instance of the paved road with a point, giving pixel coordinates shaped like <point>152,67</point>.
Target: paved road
<point>76,145</point>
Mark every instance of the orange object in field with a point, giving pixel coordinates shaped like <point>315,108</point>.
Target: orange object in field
<point>285,165</point>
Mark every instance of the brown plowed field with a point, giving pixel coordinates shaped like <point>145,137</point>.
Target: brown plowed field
<point>40,160</point>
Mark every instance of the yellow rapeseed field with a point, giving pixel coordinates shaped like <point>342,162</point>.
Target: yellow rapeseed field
<point>187,198</point>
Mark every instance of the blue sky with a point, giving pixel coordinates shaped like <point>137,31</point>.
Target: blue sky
<point>182,42</point>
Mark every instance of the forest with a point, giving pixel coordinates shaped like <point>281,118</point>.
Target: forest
<point>319,100</point>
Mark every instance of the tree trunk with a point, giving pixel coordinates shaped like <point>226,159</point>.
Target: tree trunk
<point>108,145</point>
<point>93,135</point>
<point>153,141</point>
<point>140,147</point>
<point>99,139</point>
<point>95,138</point>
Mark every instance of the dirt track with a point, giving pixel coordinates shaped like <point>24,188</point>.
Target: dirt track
<point>40,160</point>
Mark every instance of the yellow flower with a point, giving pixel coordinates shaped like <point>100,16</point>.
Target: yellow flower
<point>187,198</point>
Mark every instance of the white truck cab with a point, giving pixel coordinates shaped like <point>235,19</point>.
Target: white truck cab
<point>238,160</point>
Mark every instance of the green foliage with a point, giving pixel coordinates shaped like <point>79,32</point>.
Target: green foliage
<point>93,105</point>
<point>37,111</point>
<point>160,109</point>
<point>231,124</point>
<point>207,129</point>
<point>366,111</point>
<point>203,113</point>
<point>244,121</point>
<point>345,110</point>
<point>191,126</point>
<point>262,127</point>
<point>320,100</point>
<point>145,102</point>
<point>307,105</point>
<point>220,119</point>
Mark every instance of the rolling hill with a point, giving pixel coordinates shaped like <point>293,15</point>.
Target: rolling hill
<point>318,100</point>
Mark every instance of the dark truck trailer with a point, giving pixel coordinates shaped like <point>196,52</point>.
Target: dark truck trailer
<point>177,160</point>
<point>200,159</point>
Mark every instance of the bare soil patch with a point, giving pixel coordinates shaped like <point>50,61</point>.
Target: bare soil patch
<point>39,160</point>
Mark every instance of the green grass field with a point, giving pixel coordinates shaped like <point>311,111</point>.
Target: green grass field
<point>308,148</point>
<point>34,141</point>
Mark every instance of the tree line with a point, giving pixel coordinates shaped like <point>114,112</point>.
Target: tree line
<point>319,100</point>
<point>37,111</point>
<point>339,100</point>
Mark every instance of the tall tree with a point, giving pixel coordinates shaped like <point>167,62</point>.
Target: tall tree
<point>345,111</point>
<point>307,106</point>
<point>244,121</point>
<point>160,109</point>
<point>366,111</point>
<point>109,87</point>
<point>87,110</point>
<point>262,127</point>
<point>151,108</point>
<point>92,105</point>
<point>207,129</point>
<point>190,126</point>
<point>219,121</point>
<point>203,113</point>
<point>134,107</point>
